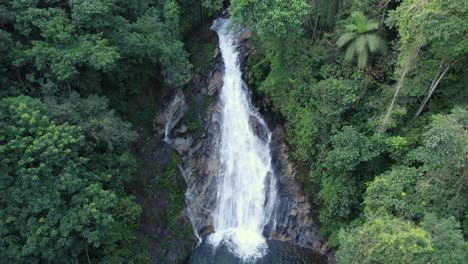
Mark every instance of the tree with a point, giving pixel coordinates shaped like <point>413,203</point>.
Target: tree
<point>444,153</point>
<point>56,203</point>
<point>213,5</point>
<point>383,240</point>
<point>60,49</point>
<point>432,43</point>
<point>350,147</point>
<point>101,125</point>
<point>89,46</point>
<point>445,141</point>
<point>447,240</point>
<point>324,13</point>
<point>393,193</point>
<point>278,18</point>
<point>334,97</point>
<point>360,41</point>
<point>338,195</point>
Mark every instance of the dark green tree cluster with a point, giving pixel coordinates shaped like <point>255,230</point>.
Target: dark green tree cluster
<point>50,47</point>
<point>66,169</point>
<point>63,179</point>
<point>373,96</point>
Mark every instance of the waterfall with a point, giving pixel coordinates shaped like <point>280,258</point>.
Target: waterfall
<point>167,126</point>
<point>246,189</point>
<point>167,130</point>
<point>189,211</point>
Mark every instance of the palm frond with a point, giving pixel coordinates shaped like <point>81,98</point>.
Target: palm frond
<point>362,58</point>
<point>376,44</point>
<point>345,38</point>
<point>361,43</point>
<point>372,25</point>
<point>350,51</point>
<point>351,27</point>
<point>360,21</point>
<point>358,17</point>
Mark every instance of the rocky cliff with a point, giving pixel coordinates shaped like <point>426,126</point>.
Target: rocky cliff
<point>198,151</point>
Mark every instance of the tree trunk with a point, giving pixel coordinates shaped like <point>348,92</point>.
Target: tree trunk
<point>383,127</point>
<point>401,80</point>
<point>432,88</point>
<point>315,27</point>
<point>87,255</point>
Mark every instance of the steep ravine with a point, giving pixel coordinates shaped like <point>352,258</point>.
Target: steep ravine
<point>191,119</point>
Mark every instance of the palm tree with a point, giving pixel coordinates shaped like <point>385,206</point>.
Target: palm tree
<point>360,41</point>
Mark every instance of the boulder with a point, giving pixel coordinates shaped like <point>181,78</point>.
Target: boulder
<point>181,130</point>
<point>181,145</point>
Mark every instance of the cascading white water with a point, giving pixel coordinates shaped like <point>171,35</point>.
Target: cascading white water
<point>189,211</point>
<point>246,186</point>
<point>167,126</point>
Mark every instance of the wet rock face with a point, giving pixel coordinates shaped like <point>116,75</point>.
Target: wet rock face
<point>259,128</point>
<point>216,82</point>
<point>181,144</point>
<point>244,47</point>
<point>173,111</point>
<point>199,152</point>
<point>154,158</point>
<point>203,180</point>
<point>294,221</point>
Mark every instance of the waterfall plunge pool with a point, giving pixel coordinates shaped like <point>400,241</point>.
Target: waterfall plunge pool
<point>278,252</point>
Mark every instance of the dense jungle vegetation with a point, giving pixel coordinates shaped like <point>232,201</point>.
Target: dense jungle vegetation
<point>373,95</point>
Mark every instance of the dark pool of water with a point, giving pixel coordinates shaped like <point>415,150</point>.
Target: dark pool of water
<point>278,253</point>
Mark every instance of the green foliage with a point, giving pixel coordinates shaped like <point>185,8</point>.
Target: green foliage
<point>446,140</point>
<point>394,193</point>
<point>437,188</point>
<point>173,194</point>
<point>276,18</point>
<point>143,43</point>
<point>350,148</point>
<point>338,196</point>
<point>60,45</point>
<point>92,114</point>
<point>383,240</point>
<point>444,152</point>
<point>360,41</point>
<point>61,50</point>
<point>325,12</point>
<point>170,192</point>
<point>374,7</point>
<point>447,239</point>
<point>57,204</point>
<point>396,146</point>
<point>332,115</point>
<point>439,25</point>
<point>334,97</point>
<point>432,46</point>
<point>213,5</point>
